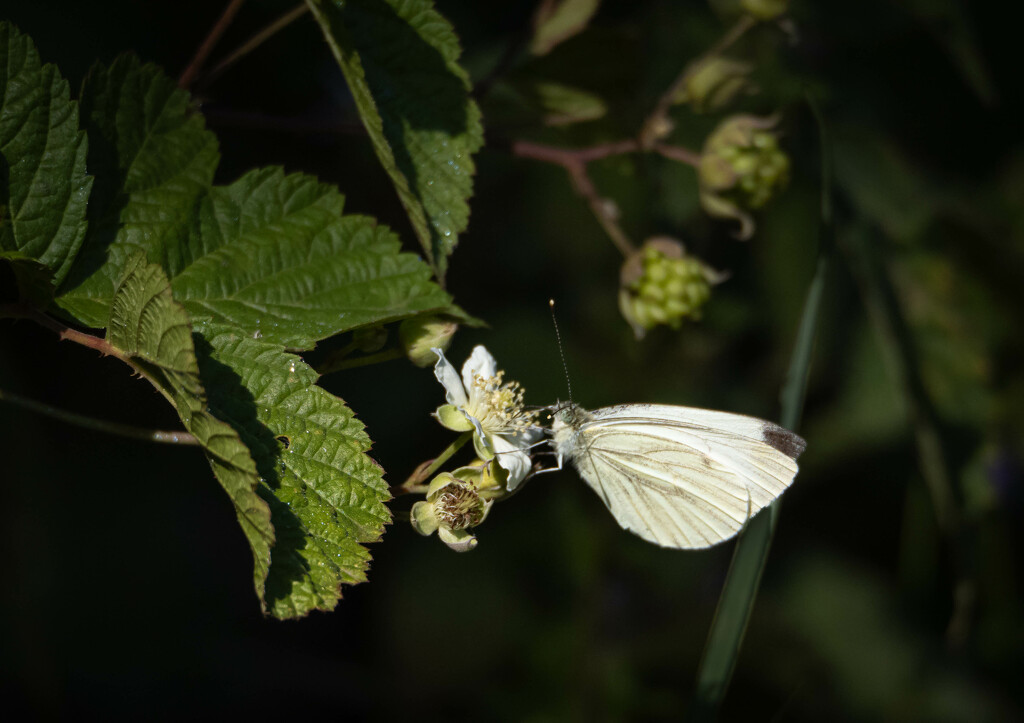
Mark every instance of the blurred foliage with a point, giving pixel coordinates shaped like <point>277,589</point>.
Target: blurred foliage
<point>559,615</point>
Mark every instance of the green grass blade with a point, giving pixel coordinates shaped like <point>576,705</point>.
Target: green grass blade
<point>744,577</point>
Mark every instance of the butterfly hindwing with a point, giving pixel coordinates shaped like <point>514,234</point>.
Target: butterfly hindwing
<point>681,477</point>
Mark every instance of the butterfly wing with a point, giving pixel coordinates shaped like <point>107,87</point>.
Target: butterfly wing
<point>682,477</point>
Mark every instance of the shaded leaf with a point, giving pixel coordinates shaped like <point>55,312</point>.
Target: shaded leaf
<point>153,331</point>
<point>952,29</point>
<point>850,632</point>
<point>883,184</point>
<point>528,100</point>
<point>273,255</point>
<point>399,58</point>
<point>955,325</point>
<point>33,279</point>
<point>152,157</point>
<point>325,494</point>
<point>44,188</point>
<point>558,20</point>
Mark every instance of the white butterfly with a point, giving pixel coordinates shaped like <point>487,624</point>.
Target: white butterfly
<point>677,476</point>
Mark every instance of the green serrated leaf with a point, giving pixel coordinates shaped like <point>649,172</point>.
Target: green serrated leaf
<point>558,20</point>
<point>400,60</point>
<point>153,158</point>
<point>273,255</point>
<point>44,188</point>
<point>325,494</point>
<point>152,330</point>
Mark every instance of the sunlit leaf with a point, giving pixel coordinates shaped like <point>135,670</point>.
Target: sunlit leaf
<point>152,157</point>
<point>400,60</point>
<point>153,331</point>
<point>325,494</point>
<point>273,255</point>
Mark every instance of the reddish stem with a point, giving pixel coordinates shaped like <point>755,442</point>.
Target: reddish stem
<point>190,73</point>
<point>575,160</point>
<point>19,311</point>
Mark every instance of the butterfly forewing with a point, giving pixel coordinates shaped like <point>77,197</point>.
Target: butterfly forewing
<point>682,477</point>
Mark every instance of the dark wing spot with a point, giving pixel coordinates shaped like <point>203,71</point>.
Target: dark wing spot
<point>783,440</point>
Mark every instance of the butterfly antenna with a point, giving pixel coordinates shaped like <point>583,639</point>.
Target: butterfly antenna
<point>561,351</point>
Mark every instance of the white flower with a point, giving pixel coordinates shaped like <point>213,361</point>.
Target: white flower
<point>492,410</point>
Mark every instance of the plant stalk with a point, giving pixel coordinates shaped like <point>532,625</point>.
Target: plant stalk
<point>739,593</point>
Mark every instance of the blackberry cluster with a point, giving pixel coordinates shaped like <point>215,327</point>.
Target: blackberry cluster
<point>760,168</point>
<point>669,290</point>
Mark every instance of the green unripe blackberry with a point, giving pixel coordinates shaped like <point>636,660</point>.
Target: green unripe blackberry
<point>661,285</point>
<point>741,169</point>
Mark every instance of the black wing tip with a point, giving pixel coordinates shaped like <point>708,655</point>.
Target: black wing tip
<point>790,444</point>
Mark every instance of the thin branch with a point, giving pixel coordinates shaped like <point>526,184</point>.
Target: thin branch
<point>22,311</point>
<point>603,209</point>
<point>190,73</point>
<point>255,41</point>
<point>568,156</point>
<point>575,162</point>
<point>520,39</point>
<point>659,116</point>
<point>678,153</point>
<point>19,311</point>
<point>99,425</point>
<point>414,483</point>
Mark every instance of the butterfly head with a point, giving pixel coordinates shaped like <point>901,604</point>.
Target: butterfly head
<point>567,414</point>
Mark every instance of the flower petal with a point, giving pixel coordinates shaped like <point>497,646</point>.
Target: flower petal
<point>512,458</point>
<point>449,378</point>
<point>482,446</point>
<point>479,364</point>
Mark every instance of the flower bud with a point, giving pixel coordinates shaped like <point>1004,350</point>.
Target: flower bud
<point>710,84</point>
<point>741,168</point>
<point>661,284</point>
<point>421,334</point>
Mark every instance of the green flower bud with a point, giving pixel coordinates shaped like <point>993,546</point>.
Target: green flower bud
<point>421,334</point>
<point>765,9</point>
<point>741,169</point>
<point>710,84</point>
<point>661,284</point>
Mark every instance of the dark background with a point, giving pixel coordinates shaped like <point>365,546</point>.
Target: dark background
<point>127,587</point>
